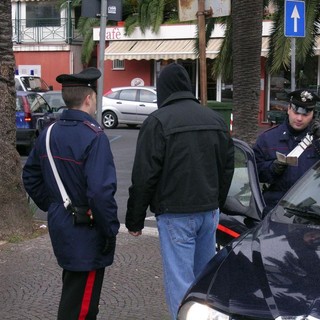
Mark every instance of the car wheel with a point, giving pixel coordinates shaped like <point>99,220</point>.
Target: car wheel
<point>109,120</point>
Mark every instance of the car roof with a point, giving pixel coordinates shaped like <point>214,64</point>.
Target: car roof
<point>133,87</point>
<point>50,92</point>
<point>25,93</point>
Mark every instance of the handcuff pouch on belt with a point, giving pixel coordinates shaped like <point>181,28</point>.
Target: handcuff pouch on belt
<point>81,215</point>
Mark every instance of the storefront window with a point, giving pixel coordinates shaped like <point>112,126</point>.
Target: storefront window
<point>42,14</point>
<point>226,90</point>
<point>279,86</point>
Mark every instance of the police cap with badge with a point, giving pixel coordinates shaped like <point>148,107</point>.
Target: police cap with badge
<point>303,101</point>
<point>86,78</point>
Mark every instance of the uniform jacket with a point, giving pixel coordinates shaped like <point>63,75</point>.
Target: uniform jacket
<point>284,139</point>
<point>84,161</point>
<point>184,157</point>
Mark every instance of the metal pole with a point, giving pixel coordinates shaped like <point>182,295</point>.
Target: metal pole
<point>293,64</point>
<point>69,21</point>
<point>102,44</point>
<point>202,51</point>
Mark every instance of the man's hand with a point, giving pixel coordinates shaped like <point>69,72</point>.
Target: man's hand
<point>135,233</point>
<point>278,167</point>
<point>315,128</point>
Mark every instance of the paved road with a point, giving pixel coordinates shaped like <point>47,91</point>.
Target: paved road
<point>30,279</point>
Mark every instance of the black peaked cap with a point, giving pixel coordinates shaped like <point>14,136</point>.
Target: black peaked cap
<point>86,78</point>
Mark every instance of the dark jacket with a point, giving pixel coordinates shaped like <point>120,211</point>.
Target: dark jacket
<point>84,161</point>
<point>282,138</point>
<point>184,158</point>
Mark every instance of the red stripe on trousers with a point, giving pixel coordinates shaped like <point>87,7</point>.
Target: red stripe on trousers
<point>87,295</point>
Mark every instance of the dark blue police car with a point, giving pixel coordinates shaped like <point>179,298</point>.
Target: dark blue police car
<point>271,268</point>
<point>33,112</point>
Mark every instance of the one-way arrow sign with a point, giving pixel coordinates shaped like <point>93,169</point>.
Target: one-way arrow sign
<point>294,16</point>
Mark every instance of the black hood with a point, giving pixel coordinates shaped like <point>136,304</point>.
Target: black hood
<point>173,84</point>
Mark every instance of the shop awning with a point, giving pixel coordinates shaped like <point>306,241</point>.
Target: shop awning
<point>165,49</point>
<point>158,49</point>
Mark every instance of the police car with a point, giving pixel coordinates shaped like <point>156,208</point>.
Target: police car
<point>270,269</point>
<point>33,113</point>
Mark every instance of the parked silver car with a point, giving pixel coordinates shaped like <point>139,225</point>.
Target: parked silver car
<point>128,105</point>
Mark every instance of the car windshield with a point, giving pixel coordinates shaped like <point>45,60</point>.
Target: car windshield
<point>34,84</point>
<point>302,203</point>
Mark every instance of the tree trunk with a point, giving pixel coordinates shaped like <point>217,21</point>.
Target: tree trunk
<point>15,216</point>
<point>247,36</point>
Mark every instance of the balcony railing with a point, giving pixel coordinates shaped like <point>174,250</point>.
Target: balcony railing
<point>45,30</point>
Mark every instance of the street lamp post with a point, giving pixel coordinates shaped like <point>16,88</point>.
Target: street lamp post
<point>202,51</point>
<point>102,44</point>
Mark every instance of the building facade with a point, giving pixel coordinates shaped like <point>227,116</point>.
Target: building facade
<point>46,41</point>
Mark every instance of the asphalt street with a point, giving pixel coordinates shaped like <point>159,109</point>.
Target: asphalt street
<point>30,279</point>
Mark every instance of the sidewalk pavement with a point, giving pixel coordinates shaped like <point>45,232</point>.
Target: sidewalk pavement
<point>30,280</point>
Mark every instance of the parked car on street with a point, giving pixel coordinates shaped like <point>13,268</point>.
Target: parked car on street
<point>128,105</point>
<point>33,113</point>
<point>270,269</point>
<point>31,83</point>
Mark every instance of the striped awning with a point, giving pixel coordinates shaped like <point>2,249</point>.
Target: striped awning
<point>158,49</point>
<point>166,49</point>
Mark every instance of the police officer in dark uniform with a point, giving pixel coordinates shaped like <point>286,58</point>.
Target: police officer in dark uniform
<point>84,161</point>
<point>278,177</point>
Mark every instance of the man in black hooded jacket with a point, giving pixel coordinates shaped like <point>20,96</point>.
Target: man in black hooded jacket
<point>183,168</point>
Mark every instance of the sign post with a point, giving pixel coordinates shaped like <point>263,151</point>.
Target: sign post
<point>294,17</point>
<point>201,9</point>
<point>105,9</point>
<point>102,45</point>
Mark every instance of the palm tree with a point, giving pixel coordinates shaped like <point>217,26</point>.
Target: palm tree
<point>15,215</point>
<point>151,14</point>
<point>246,52</point>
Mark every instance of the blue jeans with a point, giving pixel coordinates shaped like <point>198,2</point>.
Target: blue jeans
<point>187,242</point>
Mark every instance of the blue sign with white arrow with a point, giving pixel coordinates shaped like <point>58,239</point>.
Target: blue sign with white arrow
<point>294,18</point>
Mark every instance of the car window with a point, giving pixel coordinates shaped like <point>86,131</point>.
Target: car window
<point>240,192</point>
<point>147,96</point>
<point>302,207</point>
<point>19,106</point>
<point>55,101</point>
<point>112,94</point>
<point>18,85</point>
<point>34,83</point>
<point>38,104</point>
<point>244,197</point>
<point>128,94</point>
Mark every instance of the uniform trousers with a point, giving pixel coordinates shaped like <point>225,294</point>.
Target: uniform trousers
<point>80,295</point>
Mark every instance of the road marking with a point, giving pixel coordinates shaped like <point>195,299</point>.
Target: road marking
<point>114,138</point>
